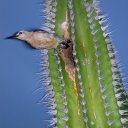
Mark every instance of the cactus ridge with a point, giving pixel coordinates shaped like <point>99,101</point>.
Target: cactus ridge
<point>58,106</point>
<point>119,91</point>
<point>81,90</point>
<point>90,11</point>
<point>64,110</point>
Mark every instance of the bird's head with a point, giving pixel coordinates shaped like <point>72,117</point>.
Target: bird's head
<point>21,35</point>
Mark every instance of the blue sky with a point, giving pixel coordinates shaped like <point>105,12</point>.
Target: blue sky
<point>19,65</point>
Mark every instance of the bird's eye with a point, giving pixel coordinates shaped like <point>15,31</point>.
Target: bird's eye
<point>19,33</point>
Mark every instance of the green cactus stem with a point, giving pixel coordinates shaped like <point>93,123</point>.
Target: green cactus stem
<point>84,84</point>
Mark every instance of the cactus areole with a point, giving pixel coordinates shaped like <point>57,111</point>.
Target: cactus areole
<point>83,82</point>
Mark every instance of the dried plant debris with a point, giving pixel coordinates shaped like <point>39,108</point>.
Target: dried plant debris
<point>67,54</point>
<point>68,58</point>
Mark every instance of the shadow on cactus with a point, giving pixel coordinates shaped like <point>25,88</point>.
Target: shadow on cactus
<point>83,82</point>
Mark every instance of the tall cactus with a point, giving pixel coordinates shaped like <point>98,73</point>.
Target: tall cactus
<point>83,83</point>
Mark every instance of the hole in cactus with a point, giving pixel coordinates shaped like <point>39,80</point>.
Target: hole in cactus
<point>67,56</point>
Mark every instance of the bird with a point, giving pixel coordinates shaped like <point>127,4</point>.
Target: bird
<point>41,39</point>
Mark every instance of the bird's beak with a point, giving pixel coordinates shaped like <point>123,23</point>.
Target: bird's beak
<point>11,37</point>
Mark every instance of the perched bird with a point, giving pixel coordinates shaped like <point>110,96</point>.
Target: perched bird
<point>41,39</point>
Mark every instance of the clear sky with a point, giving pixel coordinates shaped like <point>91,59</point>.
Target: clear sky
<point>19,65</point>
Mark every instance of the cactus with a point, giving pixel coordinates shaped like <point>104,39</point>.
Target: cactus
<point>83,83</point>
